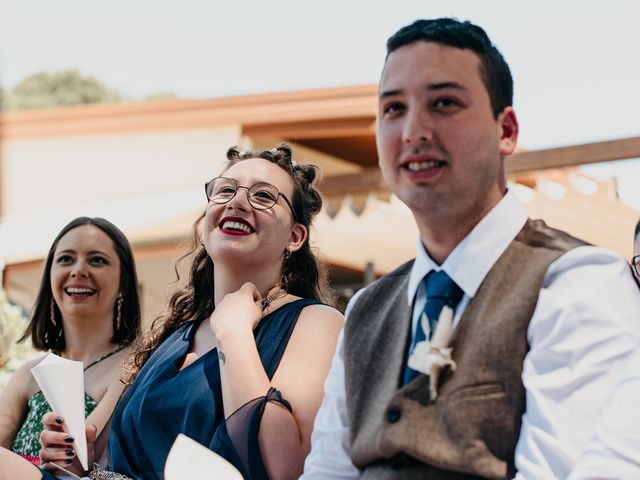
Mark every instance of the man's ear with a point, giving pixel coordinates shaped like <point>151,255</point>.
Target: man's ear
<point>297,238</point>
<point>508,125</point>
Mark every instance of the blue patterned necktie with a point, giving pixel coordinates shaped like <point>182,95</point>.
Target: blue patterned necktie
<point>441,291</point>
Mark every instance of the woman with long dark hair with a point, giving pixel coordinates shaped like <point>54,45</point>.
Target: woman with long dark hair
<point>88,310</point>
<point>239,360</point>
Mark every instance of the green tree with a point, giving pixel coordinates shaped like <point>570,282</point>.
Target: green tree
<point>59,89</point>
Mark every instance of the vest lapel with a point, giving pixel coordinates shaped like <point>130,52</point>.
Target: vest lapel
<point>379,363</point>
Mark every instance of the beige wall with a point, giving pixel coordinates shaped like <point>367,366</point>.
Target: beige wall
<point>67,170</point>
<point>133,179</point>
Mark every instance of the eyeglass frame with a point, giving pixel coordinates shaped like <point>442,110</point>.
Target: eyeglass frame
<point>248,189</point>
<point>634,263</point>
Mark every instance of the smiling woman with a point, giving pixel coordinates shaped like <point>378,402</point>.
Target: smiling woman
<point>239,360</point>
<point>87,310</point>
<point>85,274</point>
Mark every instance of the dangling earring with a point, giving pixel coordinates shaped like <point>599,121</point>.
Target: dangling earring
<point>285,274</point>
<point>119,302</point>
<point>52,315</point>
<point>284,282</point>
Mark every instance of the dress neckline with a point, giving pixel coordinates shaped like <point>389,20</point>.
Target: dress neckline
<point>188,337</point>
<point>100,358</point>
<point>194,326</point>
<point>39,396</point>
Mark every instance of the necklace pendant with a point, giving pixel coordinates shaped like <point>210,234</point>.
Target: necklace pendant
<point>266,302</point>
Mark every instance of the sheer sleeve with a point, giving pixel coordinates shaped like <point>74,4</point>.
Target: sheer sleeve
<point>236,439</point>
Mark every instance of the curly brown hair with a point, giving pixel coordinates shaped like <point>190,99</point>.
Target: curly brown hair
<point>303,274</point>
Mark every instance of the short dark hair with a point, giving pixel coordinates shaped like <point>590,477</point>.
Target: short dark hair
<point>47,336</point>
<point>494,70</point>
<point>637,230</point>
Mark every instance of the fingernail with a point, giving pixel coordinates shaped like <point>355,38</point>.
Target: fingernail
<point>59,420</point>
<point>68,439</point>
<point>68,462</point>
<point>69,453</point>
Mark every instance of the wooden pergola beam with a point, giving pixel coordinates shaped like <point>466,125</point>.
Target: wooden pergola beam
<point>370,179</point>
<point>367,180</point>
<point>575,155</point>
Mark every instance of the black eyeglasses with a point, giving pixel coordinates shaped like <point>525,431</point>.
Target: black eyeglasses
<point>635,261</point>
<point>262,196</point>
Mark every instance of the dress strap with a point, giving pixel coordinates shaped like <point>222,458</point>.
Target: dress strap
<point>105,356</point>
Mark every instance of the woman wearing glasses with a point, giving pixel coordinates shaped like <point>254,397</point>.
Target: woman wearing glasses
<point>239,360</point>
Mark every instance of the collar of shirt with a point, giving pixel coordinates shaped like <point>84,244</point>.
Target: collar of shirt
<point>474,256</point>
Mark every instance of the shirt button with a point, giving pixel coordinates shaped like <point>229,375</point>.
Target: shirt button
<point>393,414</point>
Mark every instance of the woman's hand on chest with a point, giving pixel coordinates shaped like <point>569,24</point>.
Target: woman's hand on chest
<point>237,314</point>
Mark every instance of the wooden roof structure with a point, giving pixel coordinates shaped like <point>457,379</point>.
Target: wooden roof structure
<point>340,124</point>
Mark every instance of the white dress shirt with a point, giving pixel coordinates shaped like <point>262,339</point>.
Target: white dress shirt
<point>583,331</point>
<point>614,453</point>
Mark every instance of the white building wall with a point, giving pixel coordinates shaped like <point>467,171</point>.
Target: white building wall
<point>146,183</point>
<point>61,171</point>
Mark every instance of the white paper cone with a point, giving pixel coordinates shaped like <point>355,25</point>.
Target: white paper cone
<point>62,383</point>
<point>188,459</point>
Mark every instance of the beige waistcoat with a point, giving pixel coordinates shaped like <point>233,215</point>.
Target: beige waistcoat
<point>471,429</point>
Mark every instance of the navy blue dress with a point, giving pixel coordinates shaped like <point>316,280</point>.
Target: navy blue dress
<point>164,401</point>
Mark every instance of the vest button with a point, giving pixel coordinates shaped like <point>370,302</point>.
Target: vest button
<point>393,414</point>
<point>399,463</point>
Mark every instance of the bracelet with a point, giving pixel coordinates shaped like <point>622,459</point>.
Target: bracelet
<point>106,475</point>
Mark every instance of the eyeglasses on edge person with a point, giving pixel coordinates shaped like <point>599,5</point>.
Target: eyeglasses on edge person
<point>635,261</point>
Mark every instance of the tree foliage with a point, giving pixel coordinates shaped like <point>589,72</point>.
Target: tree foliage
<point>63,89</point>
<point>58,89</point>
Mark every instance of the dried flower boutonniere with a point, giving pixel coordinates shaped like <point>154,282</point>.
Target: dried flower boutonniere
<point>432,356</point>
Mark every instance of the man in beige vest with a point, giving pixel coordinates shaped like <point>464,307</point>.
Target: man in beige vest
<point>492,353</point>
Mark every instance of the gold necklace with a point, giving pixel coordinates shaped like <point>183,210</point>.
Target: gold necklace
<point>266,302</point>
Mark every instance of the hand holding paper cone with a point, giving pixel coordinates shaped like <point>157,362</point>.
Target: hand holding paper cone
<point>62,383</point>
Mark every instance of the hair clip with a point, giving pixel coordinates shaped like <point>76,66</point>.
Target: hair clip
<point>274,150</point>
<point>294,164</point>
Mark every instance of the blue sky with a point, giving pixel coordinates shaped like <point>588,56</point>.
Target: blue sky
<point>575,63</point>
